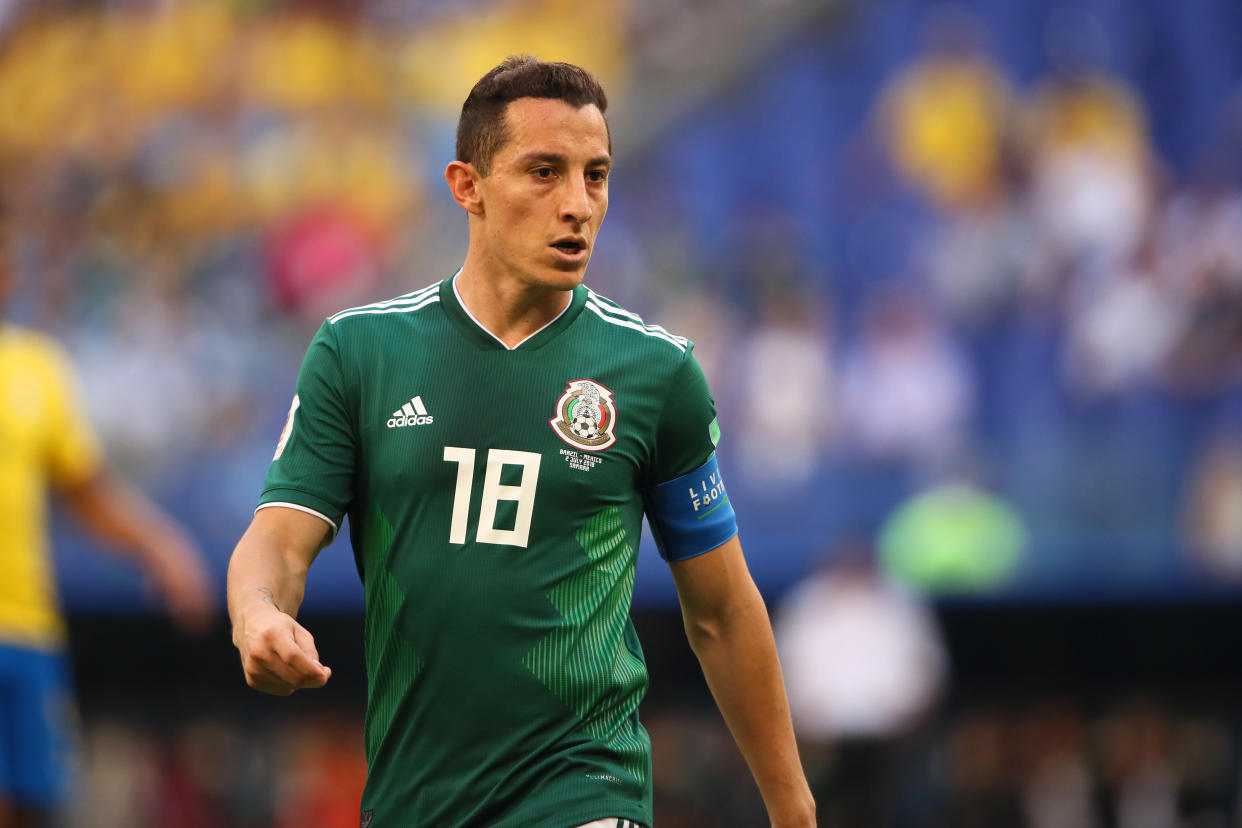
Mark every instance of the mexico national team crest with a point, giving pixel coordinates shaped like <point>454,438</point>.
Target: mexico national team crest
<point>586,417</point>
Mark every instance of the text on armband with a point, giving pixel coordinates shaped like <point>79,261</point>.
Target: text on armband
<point>708,492</point>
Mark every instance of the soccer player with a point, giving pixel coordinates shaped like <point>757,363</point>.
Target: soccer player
<point>495,439</point>
<point>46,443</point>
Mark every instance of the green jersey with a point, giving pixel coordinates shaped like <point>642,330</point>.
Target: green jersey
<point>495,499</point>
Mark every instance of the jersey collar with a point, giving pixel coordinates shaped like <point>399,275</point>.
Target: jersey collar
<point>483,338</point>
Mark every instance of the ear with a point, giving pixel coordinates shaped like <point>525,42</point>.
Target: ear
<point>463,182</point>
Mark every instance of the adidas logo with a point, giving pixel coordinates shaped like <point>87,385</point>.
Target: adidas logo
<point>411,414</point>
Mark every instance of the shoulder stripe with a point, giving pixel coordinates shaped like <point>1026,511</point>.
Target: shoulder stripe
<point>607,306</point>
<point>650,330</point>
<point>400,300</point>
<point>406,308</point>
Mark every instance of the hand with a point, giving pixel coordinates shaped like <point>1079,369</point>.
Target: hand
<point>278,655</point>
<point>182,580</point>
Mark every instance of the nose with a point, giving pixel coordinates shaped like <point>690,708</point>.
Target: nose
<point>576,203</point>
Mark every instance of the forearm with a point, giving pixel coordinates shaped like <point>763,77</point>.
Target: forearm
<point>267,577</point>
<point>738,656</point>
<point>266,569</point>
<point>119,516</point>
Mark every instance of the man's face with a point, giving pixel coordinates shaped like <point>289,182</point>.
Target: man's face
<point>547,192</point>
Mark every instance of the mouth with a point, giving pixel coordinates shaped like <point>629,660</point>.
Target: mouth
<point>572,249</point>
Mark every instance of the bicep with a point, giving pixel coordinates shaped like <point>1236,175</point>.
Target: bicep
<point>296,536</point>
<point>713,585</point>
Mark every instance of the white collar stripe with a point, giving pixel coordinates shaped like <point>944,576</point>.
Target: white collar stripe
<point>481,327</point>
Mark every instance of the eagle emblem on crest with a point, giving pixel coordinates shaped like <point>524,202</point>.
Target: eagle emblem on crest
<point>586,416</point>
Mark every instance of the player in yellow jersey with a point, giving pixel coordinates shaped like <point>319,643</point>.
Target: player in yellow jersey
<point>47,445</point>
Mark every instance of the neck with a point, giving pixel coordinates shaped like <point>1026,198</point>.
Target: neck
<point>510,310</point>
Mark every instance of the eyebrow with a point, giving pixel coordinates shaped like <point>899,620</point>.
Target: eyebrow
<point>557,158</point>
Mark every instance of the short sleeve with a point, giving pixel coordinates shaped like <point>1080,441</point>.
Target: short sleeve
<point>73,454</point>
<point>687,432</point>
<point>686,502</point>
<point>313,469</point>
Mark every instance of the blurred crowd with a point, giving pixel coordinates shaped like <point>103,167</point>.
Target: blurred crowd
<point>219,770</point>
<point>1046,762</point>
<point>1007,287</point>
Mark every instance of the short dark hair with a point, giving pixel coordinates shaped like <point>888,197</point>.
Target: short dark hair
<point>481,130</point>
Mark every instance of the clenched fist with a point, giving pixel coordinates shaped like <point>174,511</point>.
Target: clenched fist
<point>278,655</point>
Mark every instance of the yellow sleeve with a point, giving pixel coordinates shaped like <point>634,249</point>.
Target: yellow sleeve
<point>73,454</point>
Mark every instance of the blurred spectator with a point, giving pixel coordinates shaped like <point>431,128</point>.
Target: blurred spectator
<point>1201,246</point>
<point>325,773</point>
<point>953,538</point>
<point>863,664</point>
<point>905,390</point>
<point>1086,136</point>
<point>1200,231</point>
<point>1104,355</point>
<point>699,776</point>
<point>323,260</point>
<point>1057,784</point>
<point>986,254</point>
<point>943,117</point>
<point>120,776</point>
<point>1212,512</point>
<point>713,327</point>
<point>786,392</point>
<point>982,790</point>
<point>1137,768</point>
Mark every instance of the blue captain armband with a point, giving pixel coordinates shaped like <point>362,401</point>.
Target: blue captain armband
<point>691,514</point>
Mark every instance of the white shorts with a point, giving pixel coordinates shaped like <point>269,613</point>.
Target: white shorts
<point>611,823</point>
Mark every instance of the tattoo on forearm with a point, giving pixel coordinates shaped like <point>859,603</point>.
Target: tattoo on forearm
<point>269,597</point>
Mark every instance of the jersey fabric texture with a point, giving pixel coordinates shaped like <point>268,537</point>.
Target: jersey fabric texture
<point>495,499</point>
<point>44,440</point>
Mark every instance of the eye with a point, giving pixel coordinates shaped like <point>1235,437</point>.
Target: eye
<point>597,176</point>
<point>543,172</point>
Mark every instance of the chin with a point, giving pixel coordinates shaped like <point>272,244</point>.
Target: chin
<point>564,278</point>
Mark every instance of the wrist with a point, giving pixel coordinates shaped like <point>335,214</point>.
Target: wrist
<point>794,812</point>
<point>246,611</point>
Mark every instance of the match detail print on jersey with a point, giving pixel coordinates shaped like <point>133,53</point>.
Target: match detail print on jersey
<point>586,416</point>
